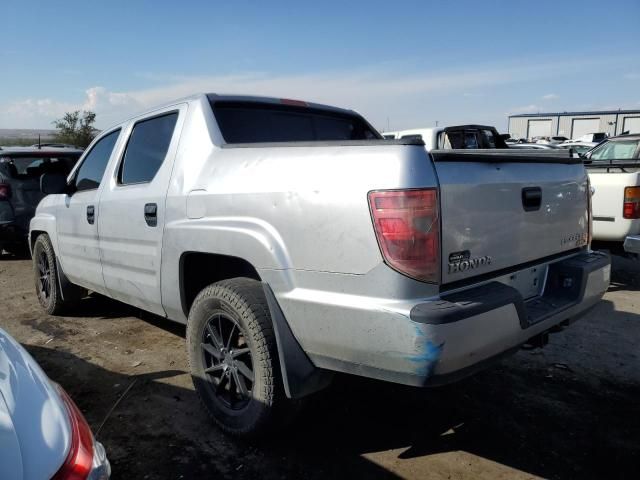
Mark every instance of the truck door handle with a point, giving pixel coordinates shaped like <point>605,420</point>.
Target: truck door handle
<point>151,214</point>
<point>91,214</point>
<point>531,198</point>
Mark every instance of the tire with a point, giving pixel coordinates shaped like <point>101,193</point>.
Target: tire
<point>47,283</point>
<point>234,361</point>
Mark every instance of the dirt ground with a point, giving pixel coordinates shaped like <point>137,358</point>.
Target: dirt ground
<point>570,410</point>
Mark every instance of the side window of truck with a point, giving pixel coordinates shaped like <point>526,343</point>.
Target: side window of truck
<point>146,149</point>
<point>615,150</point>
<point>89,174</point>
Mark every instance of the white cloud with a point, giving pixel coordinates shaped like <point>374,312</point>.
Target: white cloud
<point>550,96</point>
<point>377,92</point>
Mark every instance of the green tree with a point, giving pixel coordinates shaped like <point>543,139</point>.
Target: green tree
<point>76,128</point>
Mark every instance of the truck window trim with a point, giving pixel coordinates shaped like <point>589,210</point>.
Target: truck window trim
<point>312,111</point>
<point>328,143</point>
<point>74,173</point>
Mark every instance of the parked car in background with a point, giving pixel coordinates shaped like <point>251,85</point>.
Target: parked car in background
<point>227,213</point>
<point>591,137</point>
<point>614,172</point>
<point>579,148</point>
<point>454,137</point>
<point>20,171</point>
<point>54,145</point>
<point>534,146</point>
<point>43,434</point>
<point>550,140</point>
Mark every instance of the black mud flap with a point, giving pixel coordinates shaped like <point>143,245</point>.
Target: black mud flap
<point>301,377</point>
<point>69,292</point>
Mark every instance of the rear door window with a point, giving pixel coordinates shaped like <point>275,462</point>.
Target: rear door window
<point>146,149</point>
<point>256,122</point>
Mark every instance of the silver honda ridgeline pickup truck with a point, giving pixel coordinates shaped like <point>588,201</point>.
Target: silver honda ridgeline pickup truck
<point>294,242</point>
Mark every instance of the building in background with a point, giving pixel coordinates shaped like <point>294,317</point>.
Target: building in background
<point>574,124</point>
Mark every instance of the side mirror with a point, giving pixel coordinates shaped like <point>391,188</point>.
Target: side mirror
<point>505,136</point>
<point>53,183</point>
<point>587,155</point>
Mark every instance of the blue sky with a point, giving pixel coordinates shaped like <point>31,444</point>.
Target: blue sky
<point>402,64</point>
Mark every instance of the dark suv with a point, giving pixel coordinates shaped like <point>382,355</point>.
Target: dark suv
<point>20,171</point>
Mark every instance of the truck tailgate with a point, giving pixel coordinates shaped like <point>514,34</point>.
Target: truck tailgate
<point>499,211</point>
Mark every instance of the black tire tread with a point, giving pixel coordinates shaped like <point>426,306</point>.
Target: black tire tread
<point>57,305</point>
<point>246,296</point>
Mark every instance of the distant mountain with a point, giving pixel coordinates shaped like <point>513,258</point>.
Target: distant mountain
<point>24,136</point>
<point>18,133</point>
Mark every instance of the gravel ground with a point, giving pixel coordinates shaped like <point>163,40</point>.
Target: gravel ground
<point>569,410</point>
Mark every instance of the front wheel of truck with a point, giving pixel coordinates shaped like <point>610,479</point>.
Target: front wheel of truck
<point>46,276</point>
<point>234,360</point>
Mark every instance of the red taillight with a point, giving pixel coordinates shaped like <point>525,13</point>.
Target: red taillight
<point>78,463</point>
<point>408,230</point>
<point>631,207</point>
<point>5,190</point>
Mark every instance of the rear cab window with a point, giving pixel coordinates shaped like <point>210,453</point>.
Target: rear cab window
<point>31,166</point>
<point>489,139</point>
<point>261,122</point>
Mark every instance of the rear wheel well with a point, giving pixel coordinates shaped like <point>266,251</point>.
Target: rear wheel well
<point>198,270</point>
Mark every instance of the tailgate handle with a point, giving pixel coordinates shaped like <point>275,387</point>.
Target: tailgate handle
<point>531,198</point>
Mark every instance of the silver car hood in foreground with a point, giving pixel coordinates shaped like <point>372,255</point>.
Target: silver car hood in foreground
<point>34,427</point>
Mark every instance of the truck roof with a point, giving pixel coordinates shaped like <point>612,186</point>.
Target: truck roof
<point>217,97</point>
<point>628,136</point>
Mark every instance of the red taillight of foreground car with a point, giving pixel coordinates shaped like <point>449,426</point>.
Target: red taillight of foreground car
<point>78,463</point>
<point>407,226</point>
<point>631,207</point>
<point>589,212</point>
<point>5,191</point>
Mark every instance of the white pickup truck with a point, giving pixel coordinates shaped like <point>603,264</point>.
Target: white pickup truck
<point>614,172</point>
<point>454,137</point>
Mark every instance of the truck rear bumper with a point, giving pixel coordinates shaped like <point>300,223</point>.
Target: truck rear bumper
<point>444,339</point>
<point>632,244</point>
